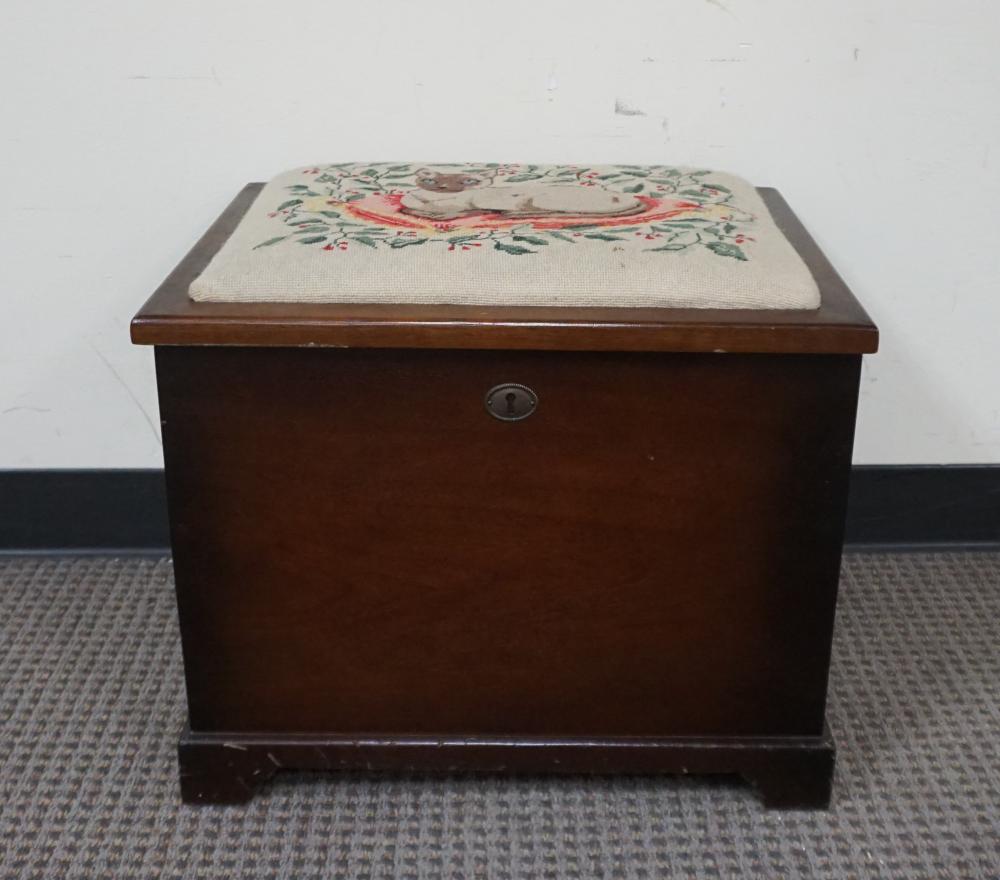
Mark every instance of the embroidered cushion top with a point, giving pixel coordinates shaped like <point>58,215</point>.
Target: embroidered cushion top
<point>515,234</point>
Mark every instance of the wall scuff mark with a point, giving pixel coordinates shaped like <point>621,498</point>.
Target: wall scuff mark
<point>623,109</point>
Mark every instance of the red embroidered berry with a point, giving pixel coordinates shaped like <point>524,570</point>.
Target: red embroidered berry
<point>328,247</point>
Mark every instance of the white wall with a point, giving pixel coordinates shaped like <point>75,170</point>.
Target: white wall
<point>128,125</point>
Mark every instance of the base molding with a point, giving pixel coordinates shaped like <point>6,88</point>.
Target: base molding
<point>224,768</point>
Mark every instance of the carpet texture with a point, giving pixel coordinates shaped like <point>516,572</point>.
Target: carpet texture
<point>92,701</point>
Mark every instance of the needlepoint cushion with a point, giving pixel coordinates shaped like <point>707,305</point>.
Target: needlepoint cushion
<point>509,234</point>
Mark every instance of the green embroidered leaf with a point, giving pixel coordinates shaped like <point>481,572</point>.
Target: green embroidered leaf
<point>699,173</point>
<point>670,247</point>
<point>270,241</point>
<point>603,237</point>
<point>531,239</point>
<point>577,226</point>
<point>511,248</point>
<point>634,189</point>
<point>607,176</point>
<point>521,178</point>
<point>399,168</point>
<point>560,236</point>
<point>291,203</point>
<point>330,213</point>
<point>405,242</point>
<point>725,249</point>
<point>299,186</point>
<point>353,198</point>
<point>697,193</point>
<point>729,227</point>
<point>364,239</point>
<point>638,173</point>
<point>719,187</point>
<point>312,229</point>
<point>313,239</point>
<point>687,223</point>
<point>568,173</point>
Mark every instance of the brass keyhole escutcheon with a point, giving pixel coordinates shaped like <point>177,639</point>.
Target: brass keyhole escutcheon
<point>511,402</point>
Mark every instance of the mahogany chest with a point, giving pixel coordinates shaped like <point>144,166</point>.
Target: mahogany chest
<point>506,538</point>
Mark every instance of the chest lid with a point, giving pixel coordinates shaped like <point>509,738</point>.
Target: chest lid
<point>631,258</point>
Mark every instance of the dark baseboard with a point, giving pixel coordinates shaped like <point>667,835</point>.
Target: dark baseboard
<point>124,511</point>
<point>119,510</point>
<point>918,505</point>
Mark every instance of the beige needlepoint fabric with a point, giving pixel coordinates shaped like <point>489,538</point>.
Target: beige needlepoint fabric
<point>491,234</point>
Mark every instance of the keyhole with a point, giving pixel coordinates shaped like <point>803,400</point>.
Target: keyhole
<point>510,402</point>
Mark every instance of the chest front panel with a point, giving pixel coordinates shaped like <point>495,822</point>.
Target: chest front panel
<point>360,545</point>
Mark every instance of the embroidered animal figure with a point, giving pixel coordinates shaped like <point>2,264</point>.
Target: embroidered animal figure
<point>447,196</point>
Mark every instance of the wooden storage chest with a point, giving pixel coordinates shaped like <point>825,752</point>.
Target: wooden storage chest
<point>372,571</point>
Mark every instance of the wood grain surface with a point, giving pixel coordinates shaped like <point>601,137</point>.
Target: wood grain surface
<point>359,546</point>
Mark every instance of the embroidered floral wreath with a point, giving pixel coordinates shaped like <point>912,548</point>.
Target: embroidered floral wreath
<point>350,204</point>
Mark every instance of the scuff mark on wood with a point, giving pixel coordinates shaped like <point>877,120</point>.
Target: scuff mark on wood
<point>323,757</point>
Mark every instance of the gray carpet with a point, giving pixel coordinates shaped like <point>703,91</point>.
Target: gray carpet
<point>92,701</point>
